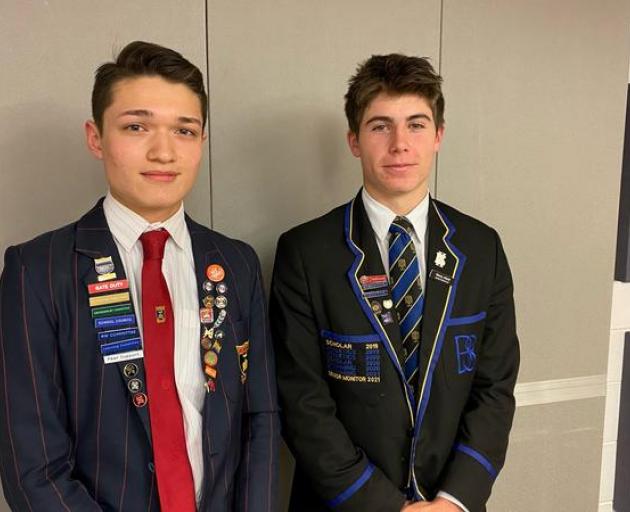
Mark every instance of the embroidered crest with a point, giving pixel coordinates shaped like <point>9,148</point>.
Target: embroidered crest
<point>440,259</point>
<point>243,363</point>
<point>160,314</point>
<point>466,355</point>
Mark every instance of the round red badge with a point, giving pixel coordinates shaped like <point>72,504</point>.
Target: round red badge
<point>140,399</point>
<point>215,272</point>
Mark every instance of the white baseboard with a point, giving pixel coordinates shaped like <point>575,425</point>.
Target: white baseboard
<point>560,390</point>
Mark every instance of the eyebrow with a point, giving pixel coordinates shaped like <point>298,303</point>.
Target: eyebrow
<point>147,113</point>
<point>388,119</point>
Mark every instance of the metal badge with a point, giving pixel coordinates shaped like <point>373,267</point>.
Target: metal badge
<point>220,301</point>
<point>160,314</point>
<point>140,399</point>
<point>221,288</point>
<point>208,286</point>
<point>206,315</point>
<point>130,370</point>
<point>206,343</point>
<point>440,259</point>
<point>215,273</point>
<point>388,304</point>
<point>376,307</point>
<point>208,301</point>
<point>104,265</point>
<point>211,358</point>
<point>219,334</point>
<point>221,317</point>
<point>108,286</point>
<point>134,385</point>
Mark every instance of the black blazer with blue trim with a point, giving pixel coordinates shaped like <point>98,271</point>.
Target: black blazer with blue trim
<point>70,437</point>
<point>360,439</point>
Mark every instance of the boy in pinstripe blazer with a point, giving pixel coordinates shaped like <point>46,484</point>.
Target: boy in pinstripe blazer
<point>111,404</point>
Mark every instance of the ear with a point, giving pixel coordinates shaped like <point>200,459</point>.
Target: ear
<point>93,139</point>
<point>353,143</point>
<point>439,135</point>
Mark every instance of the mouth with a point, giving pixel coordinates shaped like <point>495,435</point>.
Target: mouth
<point>399,166</point>
<point>161,176</point>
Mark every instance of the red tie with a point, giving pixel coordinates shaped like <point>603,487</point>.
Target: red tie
<point>174,475</point>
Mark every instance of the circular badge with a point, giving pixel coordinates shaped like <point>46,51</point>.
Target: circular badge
<point>215,272</point>
<point>388,304</point>
<point>220,301</point>
<point>219,334</point>
<point>130,370</point>
<point>208,301</point>
<point>210,358</point>
<point>376,307</point>
<point>208,286</point>
<point>205,343</point>
<point>134,385</point>
<point>221,288</point>
<point>140,399</point>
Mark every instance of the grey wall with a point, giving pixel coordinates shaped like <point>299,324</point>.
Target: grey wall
<point>535,95</point>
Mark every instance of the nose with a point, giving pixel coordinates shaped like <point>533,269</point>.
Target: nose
<point>161,148</point>
<point>398,140</point>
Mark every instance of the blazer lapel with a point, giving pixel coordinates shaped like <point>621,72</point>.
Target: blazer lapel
<point>94,240</point>
<point>368,265</point>
<point>444,266</point>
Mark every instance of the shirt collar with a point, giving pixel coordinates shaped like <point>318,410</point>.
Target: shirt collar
<point>381,217</point>
<point>127,226</point>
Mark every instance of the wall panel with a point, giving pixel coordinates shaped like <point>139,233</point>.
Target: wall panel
<point>49,53</point>
<point>278,73</point>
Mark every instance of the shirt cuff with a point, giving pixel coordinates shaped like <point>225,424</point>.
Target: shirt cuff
<point>452,499</point>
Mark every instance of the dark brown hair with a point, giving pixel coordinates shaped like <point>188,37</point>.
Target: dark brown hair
<point>138,59</point>
<point>393,74</point>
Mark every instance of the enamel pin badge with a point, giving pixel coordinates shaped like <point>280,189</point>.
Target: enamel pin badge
<point>440,259</point>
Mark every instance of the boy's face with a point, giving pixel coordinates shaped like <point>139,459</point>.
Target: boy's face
<point>150,144</point>
<point>396,143</point>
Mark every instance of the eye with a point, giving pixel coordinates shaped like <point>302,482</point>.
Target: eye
<point>416,126</point>
<point>134,127</point>
<point>187,132</point>
<point>378,127</point>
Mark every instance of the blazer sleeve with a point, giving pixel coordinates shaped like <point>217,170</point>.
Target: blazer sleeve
<point>484,427</point>
<point>36,458</point>
<point>257,481</point>
<point>339,472</point>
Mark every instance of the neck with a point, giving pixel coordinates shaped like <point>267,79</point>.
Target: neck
<point>400,204</point>
<point>151,215</point>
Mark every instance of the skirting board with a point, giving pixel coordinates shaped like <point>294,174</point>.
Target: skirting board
<point>560,390</point>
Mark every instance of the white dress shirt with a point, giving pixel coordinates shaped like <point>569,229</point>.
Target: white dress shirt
<point>178,267</point>
<point>381,218</point>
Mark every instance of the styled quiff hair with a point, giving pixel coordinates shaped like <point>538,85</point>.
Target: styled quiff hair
<point>393,74</point>
<point>139,59</point>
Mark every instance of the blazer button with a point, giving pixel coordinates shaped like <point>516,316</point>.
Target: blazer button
<point>151,467</point>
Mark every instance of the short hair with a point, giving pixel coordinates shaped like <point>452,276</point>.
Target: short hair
<point>393,74</point>
<point>138,59</point>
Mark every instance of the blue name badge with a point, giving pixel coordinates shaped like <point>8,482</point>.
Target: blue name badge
<point>118,334</point>
<point>120,346</point>
<point>114,321</point>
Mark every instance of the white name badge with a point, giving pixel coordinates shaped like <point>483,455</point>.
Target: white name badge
<point>123,356</point>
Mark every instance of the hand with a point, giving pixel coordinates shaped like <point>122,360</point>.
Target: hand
<point>437,505</point>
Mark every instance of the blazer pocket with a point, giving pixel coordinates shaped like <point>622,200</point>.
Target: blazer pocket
<point>234,359</point>
<point>464,336</point>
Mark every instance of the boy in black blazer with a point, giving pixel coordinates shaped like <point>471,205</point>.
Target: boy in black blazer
<point>393,321</point>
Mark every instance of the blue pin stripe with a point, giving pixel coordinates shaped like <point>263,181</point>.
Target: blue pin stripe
<point>360,482</point>
<point>481,459</point>
<point>120,346</point>
<point>114,321</point>
<point>409,275</point>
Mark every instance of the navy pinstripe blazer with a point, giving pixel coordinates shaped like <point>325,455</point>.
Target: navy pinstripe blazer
<point>70,437</point>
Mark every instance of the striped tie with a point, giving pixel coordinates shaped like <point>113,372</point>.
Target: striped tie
<point>404,278</point>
